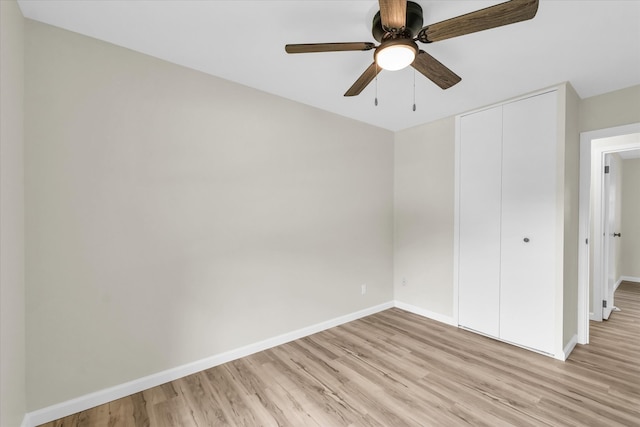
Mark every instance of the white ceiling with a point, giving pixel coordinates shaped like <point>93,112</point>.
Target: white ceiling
<point>593,44</point>
<point>630,154</point>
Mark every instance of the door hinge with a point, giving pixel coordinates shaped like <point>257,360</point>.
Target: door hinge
<point>606,169</point>
<point>604,303</point>
<point>586,241</point>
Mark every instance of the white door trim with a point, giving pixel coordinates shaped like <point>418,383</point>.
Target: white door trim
<point>610,183</point>
<point>591,159</point>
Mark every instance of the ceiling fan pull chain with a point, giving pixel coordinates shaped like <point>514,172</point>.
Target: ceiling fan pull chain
<point>376,99</point>
<point>414,89</point>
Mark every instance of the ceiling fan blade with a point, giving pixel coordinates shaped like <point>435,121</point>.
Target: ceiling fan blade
<point>327,47</point>
<point>362,82</point>
<point>501,14</point>
<point>393,13</point>
<point>434,70</point>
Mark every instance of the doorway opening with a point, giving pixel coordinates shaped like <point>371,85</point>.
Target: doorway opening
<point>594,285</point>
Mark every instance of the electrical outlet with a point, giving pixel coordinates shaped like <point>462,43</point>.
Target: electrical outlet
<point>363,289</point>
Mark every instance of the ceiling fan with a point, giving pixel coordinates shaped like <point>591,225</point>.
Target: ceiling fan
<point>397,27</point>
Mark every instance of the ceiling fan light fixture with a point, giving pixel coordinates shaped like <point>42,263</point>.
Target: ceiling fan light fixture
<point>396,54</point>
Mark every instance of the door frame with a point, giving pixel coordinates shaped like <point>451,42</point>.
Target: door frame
<point>610,183</point>
<point>591,215</point>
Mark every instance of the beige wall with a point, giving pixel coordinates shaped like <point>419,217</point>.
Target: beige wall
<point>172,216</point>
<point>621,107</point>
<point>630,227</point>
<point>12,286</point>
<point>571,155</point>
<point>424,203</point>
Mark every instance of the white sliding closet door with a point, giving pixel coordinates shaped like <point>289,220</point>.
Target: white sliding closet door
<point>479,221</point>
<point>528,246</point>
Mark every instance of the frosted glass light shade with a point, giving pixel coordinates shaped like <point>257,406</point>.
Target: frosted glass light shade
<point>396,55</point>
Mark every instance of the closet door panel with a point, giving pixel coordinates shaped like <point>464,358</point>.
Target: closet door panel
<point>528,269</point>
<point>479,221</point>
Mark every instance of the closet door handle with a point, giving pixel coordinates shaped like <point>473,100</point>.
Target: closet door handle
<point>526,240</point>
<point>616,234</point>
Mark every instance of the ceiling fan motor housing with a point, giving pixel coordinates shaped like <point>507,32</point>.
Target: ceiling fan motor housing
<point>413,24</point>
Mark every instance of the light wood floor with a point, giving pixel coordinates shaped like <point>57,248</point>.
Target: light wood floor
<point>398,369</point>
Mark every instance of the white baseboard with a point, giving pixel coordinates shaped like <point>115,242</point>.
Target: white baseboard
<point>569,347</point>
<point>615,287</point>
<point>425,313</point>
<point>100,397</point>
<point>630,279</point>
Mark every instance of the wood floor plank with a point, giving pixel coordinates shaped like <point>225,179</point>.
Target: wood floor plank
<point>396,368</point>
<point>198,393</point>
<point>173,412</point>
<point>245,374</point>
